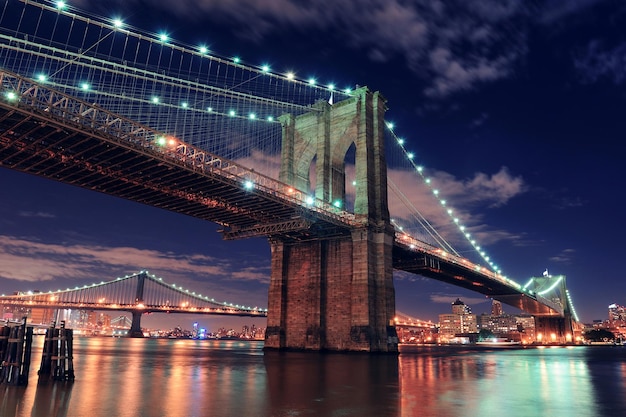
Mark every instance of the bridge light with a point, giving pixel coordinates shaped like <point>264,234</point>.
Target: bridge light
<point>252,116</point>
<point>61,5</point>
<point>209,109</point>
<point>248,185</point>
<point>443,202</point>
<point>163,37</point>
<point>312,81</point>
<point>331,87</point>
<point>11,96</point>
<point>410,155</point>
<point>236,59</point>
<point>390,125</point>
<point>309,200</point>
<point>265,68</point>
<point>401,141</point>
<point>204,50</point>
<point>42,78</point>
<point>85,86</point>
<point>347,90</point>
<point>436,192</point>
<point>155,100</point>
<point>117,23</point>
<point>270,118</point>
<point>290,75</point>
<point>427,180</point>
<point>337,203</point>
<point>231,113</point>
<point>420,169</point>
<point>161,141</point>
<point>353,183</point>
<point>184,104</point>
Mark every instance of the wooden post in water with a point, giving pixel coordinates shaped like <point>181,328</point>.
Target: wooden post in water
<point>15,348</point>
<point>46,355</point>
<point>57,360</point>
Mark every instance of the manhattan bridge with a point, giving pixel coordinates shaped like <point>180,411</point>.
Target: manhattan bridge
<point>314,168</point>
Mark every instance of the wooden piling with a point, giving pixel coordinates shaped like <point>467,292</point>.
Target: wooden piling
<point>15,353</point>
<point>57,362</point>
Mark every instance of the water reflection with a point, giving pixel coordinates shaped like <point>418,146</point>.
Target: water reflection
<point>310,384</point>
<point>139,377</point>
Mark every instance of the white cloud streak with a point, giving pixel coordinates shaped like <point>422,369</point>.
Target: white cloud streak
<point>35,261</point>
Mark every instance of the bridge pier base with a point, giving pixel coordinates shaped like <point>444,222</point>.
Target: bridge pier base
<point>333,294</point>
<point>135,327</point>
<point>557,330</point>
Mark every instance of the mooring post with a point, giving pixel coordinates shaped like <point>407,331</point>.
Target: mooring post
<point>57,357</point>
<point>16,358</point>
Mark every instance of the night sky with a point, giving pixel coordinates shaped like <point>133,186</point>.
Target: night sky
<point>517,106</point>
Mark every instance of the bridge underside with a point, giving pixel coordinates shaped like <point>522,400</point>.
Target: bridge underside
<point>36,144</point>
<point>458,275</point>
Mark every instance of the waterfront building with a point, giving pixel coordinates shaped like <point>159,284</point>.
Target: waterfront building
<point>457,324</point>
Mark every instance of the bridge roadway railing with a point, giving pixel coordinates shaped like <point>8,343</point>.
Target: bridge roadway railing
<point>43,101</point>
<point>413,244</point>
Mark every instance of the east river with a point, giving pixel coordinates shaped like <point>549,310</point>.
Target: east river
<point>186,378</point>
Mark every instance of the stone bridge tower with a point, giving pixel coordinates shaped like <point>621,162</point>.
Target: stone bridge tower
<point>335,292</point>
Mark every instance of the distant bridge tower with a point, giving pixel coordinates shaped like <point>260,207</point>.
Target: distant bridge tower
<point>335,291</point>
<point>135,327</point>
<point>553,329</point>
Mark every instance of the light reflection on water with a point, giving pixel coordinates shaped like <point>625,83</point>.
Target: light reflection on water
<point>148,377</point>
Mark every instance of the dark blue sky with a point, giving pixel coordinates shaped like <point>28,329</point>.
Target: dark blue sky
<point>517,107</point>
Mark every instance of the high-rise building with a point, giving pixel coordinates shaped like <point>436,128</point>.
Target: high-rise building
<point>496,308</point>
<point>461,321</point>
<point>617,312</point>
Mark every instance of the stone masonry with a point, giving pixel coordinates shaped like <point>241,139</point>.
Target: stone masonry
<point>336,293</point>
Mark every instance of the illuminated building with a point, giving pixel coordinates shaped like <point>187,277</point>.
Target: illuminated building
<point>460,322</point>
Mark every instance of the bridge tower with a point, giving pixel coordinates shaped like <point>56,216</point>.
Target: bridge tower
<point>335,292</point>
<point>135,327</point>
<point>553,329</point>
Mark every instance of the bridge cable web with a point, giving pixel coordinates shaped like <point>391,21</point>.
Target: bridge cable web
<point>186,92</point>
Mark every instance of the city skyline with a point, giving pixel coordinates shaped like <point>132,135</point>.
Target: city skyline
<point>516,109</point>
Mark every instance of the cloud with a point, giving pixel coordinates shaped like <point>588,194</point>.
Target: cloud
<point>564,257</point>
<point>450,298</point>
<point>497,189</point>
<point>36,261</point>
<point>554,10</point>
<point>451,45</point>
<point>408,193</point>
<point>599,62</point>
<point>40,214</point>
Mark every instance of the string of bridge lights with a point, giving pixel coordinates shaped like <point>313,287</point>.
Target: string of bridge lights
<point>117,23</point>
<point>420,170</point>
<point>175,287</point>
<point>162,37</point>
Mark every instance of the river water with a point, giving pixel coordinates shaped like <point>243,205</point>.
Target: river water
<point>160,378</point>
